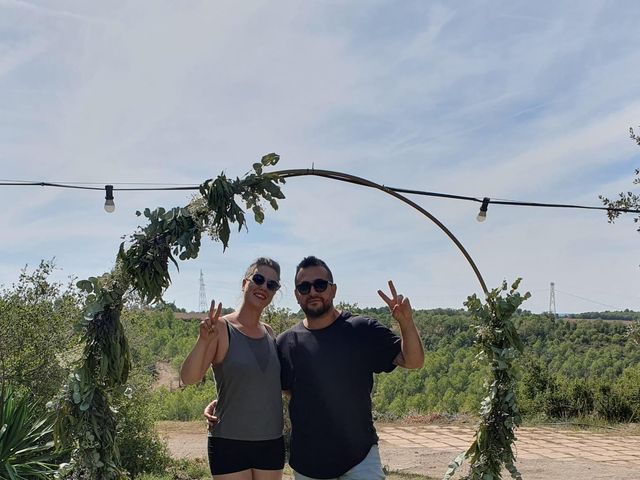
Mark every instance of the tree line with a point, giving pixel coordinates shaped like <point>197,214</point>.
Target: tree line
<point>571,368</point>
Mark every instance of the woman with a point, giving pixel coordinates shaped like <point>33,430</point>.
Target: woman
<point>246,443</point>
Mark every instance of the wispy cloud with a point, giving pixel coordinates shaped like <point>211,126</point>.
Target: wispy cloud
<point>505,99</point>
<point>45,11</point>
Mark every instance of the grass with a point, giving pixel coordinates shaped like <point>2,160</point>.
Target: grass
<point>406,476</point>
<point>588,423</point>
<point>184,469</point>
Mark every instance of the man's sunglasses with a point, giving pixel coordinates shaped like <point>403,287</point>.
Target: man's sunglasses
<point>319,285</point>
<point>259,280</point>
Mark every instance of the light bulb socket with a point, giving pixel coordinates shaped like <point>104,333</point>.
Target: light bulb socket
<point>109,204</point>
<point>482,215</point>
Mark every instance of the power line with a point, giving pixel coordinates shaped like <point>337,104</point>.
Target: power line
<point>81,186</point>
<point>588,300</point>
<point>29,182</point>
<point>510,202</point>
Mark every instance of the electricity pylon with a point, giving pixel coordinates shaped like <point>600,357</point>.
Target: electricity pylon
<point>203,295</point>
<point>552,300</point>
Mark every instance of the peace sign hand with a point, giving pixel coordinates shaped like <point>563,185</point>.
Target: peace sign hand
<point>399,305</point>
<point>209,326</point>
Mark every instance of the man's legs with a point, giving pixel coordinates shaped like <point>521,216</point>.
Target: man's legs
<point>299,476</point>
<point>368,469</point>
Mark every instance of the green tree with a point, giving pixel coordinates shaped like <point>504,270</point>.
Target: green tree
<point>37,337</point>
<point>626,200</point>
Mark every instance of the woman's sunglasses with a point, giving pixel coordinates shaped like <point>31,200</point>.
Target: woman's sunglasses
<point>319,285</point>
<point>259,280</point>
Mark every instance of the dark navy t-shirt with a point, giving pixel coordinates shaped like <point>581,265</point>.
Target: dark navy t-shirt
<point>330,375</point>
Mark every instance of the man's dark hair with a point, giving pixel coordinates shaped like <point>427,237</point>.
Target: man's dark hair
<point>312,261</point>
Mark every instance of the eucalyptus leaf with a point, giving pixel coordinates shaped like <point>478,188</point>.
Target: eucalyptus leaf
<point>141,264</point>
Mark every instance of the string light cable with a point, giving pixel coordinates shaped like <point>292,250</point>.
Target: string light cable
<point>485,201</point>
<point>110,188</point>
<point>109,204</point>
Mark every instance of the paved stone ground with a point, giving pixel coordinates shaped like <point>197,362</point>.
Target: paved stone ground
<point>542,452</point>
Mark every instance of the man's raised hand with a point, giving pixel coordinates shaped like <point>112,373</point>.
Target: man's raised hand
<point>209,414</point>
<point>399,305</point>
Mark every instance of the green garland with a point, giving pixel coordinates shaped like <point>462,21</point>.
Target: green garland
<point>498,345</point>
<point>86,422</point>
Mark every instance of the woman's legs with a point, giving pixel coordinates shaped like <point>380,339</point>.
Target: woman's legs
<point>267,474</point>
<point>243,475</point>
<point>252,474</point>
<point>239,456</point>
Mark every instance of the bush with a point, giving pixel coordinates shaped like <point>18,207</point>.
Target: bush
<point>612,405</point>
<point>141,449</point>
<point>37,340</point>
<point>26,445</point>
<point>582,398</point>
<point>184,404</point>
<point>629,385</point>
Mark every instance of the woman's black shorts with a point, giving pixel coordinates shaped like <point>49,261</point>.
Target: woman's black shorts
<point>229,456</point>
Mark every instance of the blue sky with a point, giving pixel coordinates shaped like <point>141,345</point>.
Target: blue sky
<point>510,100</point>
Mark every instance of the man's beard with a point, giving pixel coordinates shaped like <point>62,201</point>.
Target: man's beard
<point>317,312</point>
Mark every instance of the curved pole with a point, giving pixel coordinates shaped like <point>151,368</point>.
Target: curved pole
<point>344,177</point>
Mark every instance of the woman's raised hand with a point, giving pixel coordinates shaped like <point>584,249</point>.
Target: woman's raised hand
<point>209,325</point>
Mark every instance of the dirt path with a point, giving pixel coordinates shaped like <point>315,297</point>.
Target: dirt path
<point>543,453</point>
<point>166,376</point>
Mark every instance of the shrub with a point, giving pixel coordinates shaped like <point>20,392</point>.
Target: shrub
<point>582,398</point>
<point>184,404</point>
<point>26,445</point>
<point>37,340</point>
<point>612,405</point>
<point>141,449</point>
<point>629,385</point>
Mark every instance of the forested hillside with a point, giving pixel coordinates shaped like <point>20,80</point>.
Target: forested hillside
<point>571,367</point>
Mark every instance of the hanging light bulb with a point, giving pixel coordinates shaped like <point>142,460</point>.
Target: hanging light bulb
<point>109,205</point>
<point>482,215</point>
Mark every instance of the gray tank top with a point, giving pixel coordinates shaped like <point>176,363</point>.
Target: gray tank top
<point>249,393</point>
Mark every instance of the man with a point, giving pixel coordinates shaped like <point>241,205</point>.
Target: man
<point>327,365</point>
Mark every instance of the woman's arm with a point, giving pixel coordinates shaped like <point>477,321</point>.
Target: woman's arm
<point>204,351</point>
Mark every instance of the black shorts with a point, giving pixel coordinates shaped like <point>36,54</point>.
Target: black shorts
<point>229,456</point>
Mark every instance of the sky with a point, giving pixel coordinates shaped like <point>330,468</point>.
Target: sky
<point>515,100</point>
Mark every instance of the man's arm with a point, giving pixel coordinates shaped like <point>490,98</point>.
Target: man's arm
<point>411,352</point>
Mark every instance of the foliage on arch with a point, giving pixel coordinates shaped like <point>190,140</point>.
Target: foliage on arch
<point>86,422</point>
<point>498,345</point>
